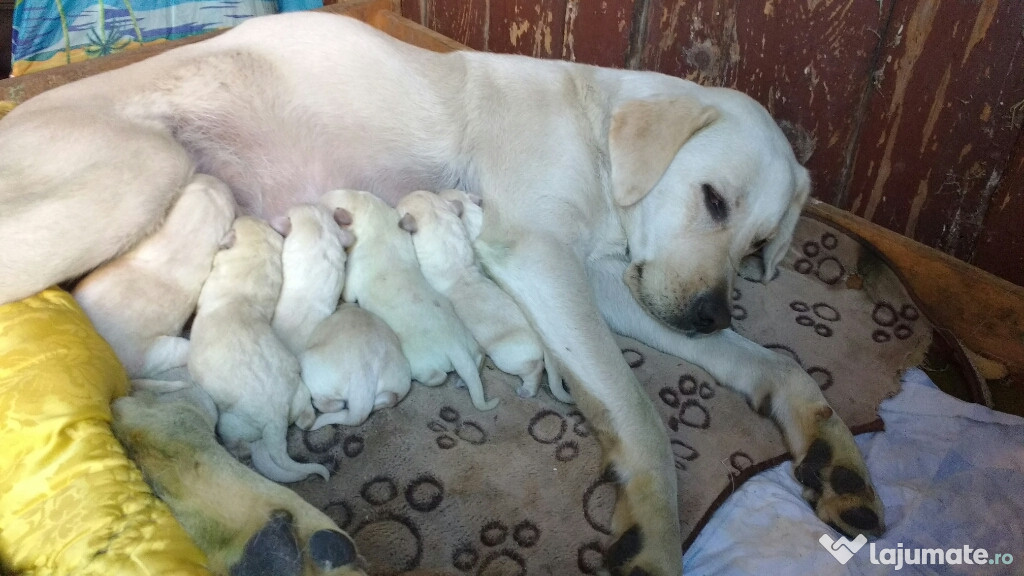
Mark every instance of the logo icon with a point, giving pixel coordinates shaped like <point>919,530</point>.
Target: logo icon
<point>842,549</point>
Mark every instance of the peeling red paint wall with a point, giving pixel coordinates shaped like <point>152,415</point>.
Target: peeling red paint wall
<point>907,112</point>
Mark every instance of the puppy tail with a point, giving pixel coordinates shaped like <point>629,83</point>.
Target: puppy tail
<point>469,371</point>
<point>270,457</point>
<point>555,383</point>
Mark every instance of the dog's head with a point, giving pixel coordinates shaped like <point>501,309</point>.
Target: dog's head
<point>702,180</point>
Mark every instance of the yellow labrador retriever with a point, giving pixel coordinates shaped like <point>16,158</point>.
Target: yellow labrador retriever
<point>615,200</point>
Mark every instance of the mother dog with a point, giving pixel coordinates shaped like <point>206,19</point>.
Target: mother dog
<point>615,200</point>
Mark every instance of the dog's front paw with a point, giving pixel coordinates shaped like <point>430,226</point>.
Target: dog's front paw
<point>647,532</point>
<point>836,481</point>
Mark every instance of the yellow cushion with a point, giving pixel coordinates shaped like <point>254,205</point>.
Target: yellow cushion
<point>71,502</point>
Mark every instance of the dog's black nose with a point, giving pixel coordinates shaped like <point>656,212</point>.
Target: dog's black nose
<point>711,312</point>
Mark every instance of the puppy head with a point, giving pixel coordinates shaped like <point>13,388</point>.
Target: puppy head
<point>472,212</point>
<point>699,187</point>
<point>359,211</point>
<point>438,235</point>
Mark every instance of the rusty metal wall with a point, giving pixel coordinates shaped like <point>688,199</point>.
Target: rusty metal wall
<point>908,112</point>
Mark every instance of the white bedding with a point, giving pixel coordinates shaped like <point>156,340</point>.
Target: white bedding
<point>951,474</point>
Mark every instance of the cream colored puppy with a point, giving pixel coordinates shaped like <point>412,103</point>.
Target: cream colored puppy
<point>236,357</point>
<point>140,301</point>
<point>353,365</point>
<point>313,271</point>
<point>446,259</point>
<point>385,279</point>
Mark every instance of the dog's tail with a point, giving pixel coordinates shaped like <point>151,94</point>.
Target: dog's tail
<point>270,457</point>
<point>469,370</point>
<point>555,383</point>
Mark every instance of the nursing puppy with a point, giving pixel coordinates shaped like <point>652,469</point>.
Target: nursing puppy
<point>445,255</point>
<point>236,357</point>
<point>313,271</point>
<point>353,365</point>
<point>140,301</point>
<point>385,279</point>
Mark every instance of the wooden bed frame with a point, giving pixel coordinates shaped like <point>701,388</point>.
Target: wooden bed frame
<point>980,310</point>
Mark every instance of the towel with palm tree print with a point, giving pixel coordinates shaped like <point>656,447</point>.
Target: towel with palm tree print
<point>50,33</point>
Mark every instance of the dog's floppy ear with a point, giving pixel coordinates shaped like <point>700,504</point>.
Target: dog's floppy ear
<point>228,241</point>
<point>347,238</point>
<point>408,223</point>
<point>644,137</point>
<point>282,224</point>
<point>457,207</point>
<point>775,249</point>
<point>342,217</point>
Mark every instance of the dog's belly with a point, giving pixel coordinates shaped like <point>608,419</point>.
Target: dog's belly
<point>271,172</point>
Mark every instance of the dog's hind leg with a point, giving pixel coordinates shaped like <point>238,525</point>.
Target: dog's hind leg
<point>76,189</point>
<point>549,283</point>
<point>555,383</point>
<point>827,461</point>
<point>234,515</point>
<point>469,371</point>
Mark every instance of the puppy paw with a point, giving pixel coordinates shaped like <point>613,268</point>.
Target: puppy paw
<point>836,482</point>
<point>272,551</point>
<point>525,392</point>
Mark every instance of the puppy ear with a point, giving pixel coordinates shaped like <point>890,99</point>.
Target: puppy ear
<point>408,223</point>
<point>475,199</point>
<point>457,207</point>
<point>775,249</point>
<point>643,139</point>
<point>282,224</point>
<point>342,217</point>
<point>347,238</point>
<point>228,241</point>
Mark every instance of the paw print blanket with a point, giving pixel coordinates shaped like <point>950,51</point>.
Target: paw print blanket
<point>434,485</point>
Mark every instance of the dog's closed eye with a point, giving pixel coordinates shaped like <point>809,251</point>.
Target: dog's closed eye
<point>717,206</point>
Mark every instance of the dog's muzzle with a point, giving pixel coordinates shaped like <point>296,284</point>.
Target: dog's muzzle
<point>707,313</point>
<point>711,312</point>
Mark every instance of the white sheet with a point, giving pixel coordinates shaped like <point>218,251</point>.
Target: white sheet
<point>951,474</point>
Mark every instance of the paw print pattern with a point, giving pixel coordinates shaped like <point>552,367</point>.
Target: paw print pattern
<point>739,461</point>
<point>686,397</point>
<point>386,531</point>
<point>817,259</point>
<point>550,427</point>
<point>821,375</point>
<point>322,444</point>
<point>501,549</point>
<point>451,428</point>
<point>892,322</point>
<point>818,316</point>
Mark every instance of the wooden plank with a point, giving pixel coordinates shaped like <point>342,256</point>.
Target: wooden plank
<point>598,32</point>
<point>1000,247</point>
<point>807,62</point>
<point>528,27</point>
<point>465,21</point>
<point>412,32</point>
<point>984,311</point>
<point>938,131</point>
<point>24,87</point>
